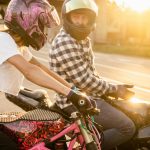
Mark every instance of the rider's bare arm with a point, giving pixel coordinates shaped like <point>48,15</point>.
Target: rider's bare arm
<point>50,72</point>
<point>36,75</point>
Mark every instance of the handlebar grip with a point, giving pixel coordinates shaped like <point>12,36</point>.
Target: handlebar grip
<point>91,110</point>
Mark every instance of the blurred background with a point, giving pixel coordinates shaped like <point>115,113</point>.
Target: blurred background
<point>125,25</point>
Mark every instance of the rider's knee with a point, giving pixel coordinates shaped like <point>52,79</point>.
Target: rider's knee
<point>128,129</point>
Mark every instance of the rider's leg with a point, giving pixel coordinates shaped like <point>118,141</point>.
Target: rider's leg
<point>118,127</point>
<point>6,143</point>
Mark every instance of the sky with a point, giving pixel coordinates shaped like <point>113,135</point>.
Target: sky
<point>136,5</point>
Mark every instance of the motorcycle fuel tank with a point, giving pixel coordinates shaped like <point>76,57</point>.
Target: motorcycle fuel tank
<point>138,111</point>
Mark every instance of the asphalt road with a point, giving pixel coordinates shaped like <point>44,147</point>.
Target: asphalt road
<point>115,68</point>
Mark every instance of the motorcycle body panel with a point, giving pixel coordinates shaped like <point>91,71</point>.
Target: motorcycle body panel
<point>28,133</point>
<point>140,115</point>
<point>138,112</point>
<point>144,133</point>
<point>30,128</point>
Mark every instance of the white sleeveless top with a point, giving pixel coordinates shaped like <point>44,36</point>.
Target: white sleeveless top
<point>11,79</point>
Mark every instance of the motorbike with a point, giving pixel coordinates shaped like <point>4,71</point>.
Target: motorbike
<point>137,110</point>
<point>44,127</point>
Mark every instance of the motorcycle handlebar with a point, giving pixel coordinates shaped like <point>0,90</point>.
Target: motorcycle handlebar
<point>92,110</point>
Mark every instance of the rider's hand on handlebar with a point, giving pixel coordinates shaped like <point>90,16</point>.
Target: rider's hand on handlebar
<point>123,92</point>
<point>81,101</point>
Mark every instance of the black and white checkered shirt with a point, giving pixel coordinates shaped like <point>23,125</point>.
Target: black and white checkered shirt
<point>74,61</point>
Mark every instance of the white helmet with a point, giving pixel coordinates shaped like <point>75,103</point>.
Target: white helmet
<point>84,6</point>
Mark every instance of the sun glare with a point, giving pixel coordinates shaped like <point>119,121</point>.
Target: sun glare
<point>135,100</point>
<point>136,5</point>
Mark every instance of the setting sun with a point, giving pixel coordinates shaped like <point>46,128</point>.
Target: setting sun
<point>136,5</point>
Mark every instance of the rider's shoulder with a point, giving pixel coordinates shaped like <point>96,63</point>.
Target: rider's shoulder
<point>6,36</point>
<point>63,39</point>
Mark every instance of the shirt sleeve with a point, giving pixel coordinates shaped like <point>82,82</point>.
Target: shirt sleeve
<point>72,62</point>
<point>8,47</point>
<point>27,53</point>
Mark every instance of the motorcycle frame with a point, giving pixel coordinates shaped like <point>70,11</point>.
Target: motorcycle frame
<point>72,127</point>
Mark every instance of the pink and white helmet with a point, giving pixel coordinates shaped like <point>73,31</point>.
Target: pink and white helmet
<point>29,18</point>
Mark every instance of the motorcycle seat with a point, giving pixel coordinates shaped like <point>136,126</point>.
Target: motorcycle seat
<point>38,99</point>
<point>29,100</point>
<point>34,94</point>
<point>34,115</point>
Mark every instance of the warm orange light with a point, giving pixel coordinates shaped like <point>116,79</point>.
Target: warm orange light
<point>136,5</point>
<point>136,100</point>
